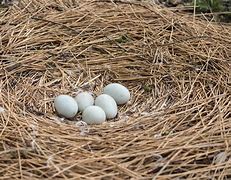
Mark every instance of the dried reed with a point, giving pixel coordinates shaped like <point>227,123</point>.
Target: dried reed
<point>177,125</point>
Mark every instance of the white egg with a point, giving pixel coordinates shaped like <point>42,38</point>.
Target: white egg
<point>108,104</point>
<point>94,115</point>
<point>119,93</point>
<point>66,106</point>
<point>84,100</point>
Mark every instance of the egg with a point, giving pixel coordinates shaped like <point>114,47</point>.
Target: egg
<point>84,99</point>
<point>119,93</point>
<point>94,115</point>
<point>108,104</point>
<point>66,106</point>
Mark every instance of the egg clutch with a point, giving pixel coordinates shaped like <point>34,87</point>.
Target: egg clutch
<point>94,111</point>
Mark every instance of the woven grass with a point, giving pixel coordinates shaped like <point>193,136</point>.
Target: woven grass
<point>177,124</point>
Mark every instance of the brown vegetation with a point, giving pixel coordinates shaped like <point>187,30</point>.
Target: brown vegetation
<point>177,68</point>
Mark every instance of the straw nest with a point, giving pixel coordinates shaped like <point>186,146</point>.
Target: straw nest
<point>177,125</point>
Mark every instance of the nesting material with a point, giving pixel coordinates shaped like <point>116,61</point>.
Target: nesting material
<point>220,158</point>
<point>2,110</point>
<point>176,66</point>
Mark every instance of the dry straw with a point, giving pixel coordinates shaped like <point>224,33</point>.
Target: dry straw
<point>178,123</point>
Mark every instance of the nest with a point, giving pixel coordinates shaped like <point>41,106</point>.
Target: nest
<point>177,67</point>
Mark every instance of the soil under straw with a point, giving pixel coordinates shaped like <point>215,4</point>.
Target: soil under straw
<point>177,68</point>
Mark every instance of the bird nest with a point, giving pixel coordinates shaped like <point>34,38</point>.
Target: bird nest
<point>177,68</point>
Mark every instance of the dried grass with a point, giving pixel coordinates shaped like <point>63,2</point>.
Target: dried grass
<point>177,125</point>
